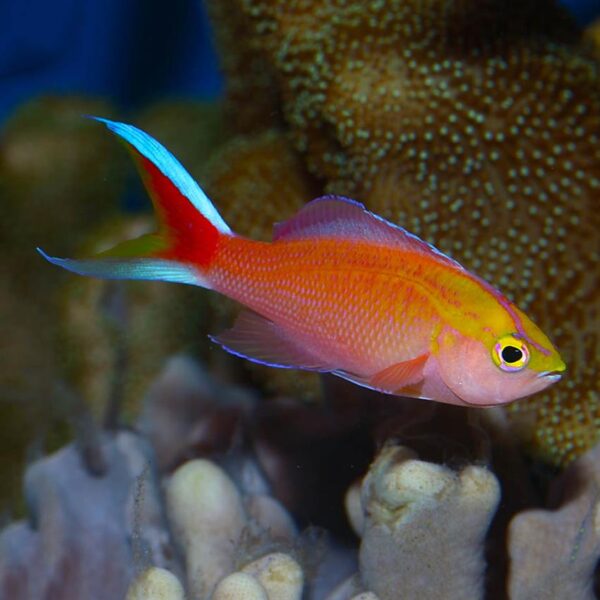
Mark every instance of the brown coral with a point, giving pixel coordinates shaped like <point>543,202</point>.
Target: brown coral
<point>191,130</point>
<point>251,100</point>
<point>58,173</point>
<point>115,336</point>
<point>475,125</point>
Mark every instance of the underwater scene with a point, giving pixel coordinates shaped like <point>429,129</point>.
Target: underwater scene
<point>300,300</point>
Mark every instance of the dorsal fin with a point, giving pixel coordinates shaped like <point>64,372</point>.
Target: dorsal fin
<point>339,217</point>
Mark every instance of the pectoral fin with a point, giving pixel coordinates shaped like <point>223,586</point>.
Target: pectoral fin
<point>393,379</point>
<point>400,375</point>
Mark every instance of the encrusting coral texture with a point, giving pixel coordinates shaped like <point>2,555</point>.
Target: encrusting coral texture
<point>475,125</point>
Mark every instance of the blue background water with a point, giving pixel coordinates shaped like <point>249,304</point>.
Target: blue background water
<point>131,51</point>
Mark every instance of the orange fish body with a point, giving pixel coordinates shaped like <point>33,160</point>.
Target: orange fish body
<point>338,290</point>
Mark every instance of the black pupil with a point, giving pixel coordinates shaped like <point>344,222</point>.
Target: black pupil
<point>511,354</point>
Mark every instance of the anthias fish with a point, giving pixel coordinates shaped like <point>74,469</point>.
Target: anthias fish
<point>338,290</point>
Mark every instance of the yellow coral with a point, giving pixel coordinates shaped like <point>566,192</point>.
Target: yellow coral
<point>475,125</point>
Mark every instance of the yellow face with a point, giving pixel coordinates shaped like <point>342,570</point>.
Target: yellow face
<point>490,368</point>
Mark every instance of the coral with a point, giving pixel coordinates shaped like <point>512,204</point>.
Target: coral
<point>401,499</point>
<point>279,574</point>
<point>474,125</point>
<point>554,553</point>
<point>58,174</point>
<point>592,37</point>
<point>251,100</point>
<point>239,586</point>
<point>78,543</point>
<point>185,410</point>
<point>156,584</point>
<point>99,524</point>
<point>115,336</point>
<point>192,131</point>
<point>207,516</point>
<point>256,181</point>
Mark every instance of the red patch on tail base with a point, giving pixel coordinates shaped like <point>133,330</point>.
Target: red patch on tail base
<point>190,235</point>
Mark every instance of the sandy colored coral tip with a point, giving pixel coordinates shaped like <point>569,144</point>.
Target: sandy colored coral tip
<point>477,484</point>
<point>156,584</point>
<point>279,574</point>
<point>201,484</point>
<point>354,508</point>
<point>207,516</point>
<point>239,586</point>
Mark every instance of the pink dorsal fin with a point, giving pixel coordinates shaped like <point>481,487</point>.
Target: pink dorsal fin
<point>339,217</point>
<point>400,375</point>
<point>259,340</point>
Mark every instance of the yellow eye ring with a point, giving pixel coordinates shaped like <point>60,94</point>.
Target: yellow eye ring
<point>510,353</point>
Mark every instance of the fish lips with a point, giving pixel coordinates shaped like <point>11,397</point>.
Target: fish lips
<point>550,377</point>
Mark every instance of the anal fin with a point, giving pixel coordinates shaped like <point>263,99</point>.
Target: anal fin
<point>261,341</point>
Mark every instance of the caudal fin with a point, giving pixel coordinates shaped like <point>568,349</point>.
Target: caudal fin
<point>189,226</point>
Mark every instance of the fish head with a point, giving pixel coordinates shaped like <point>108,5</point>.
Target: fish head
<point>494,367</point>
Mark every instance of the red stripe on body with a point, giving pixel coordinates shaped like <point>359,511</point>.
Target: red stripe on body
<point>190,235</point>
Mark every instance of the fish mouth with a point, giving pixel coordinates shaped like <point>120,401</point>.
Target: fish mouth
<point>550,376</point>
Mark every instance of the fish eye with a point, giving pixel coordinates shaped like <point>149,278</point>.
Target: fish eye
<point>510,353</point>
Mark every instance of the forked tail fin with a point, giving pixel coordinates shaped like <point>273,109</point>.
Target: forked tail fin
<point>189,226</point>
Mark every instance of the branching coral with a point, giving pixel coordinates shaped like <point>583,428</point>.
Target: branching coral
<point>78,543</point>
<point>218,532</point>
<point>475,125</point>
